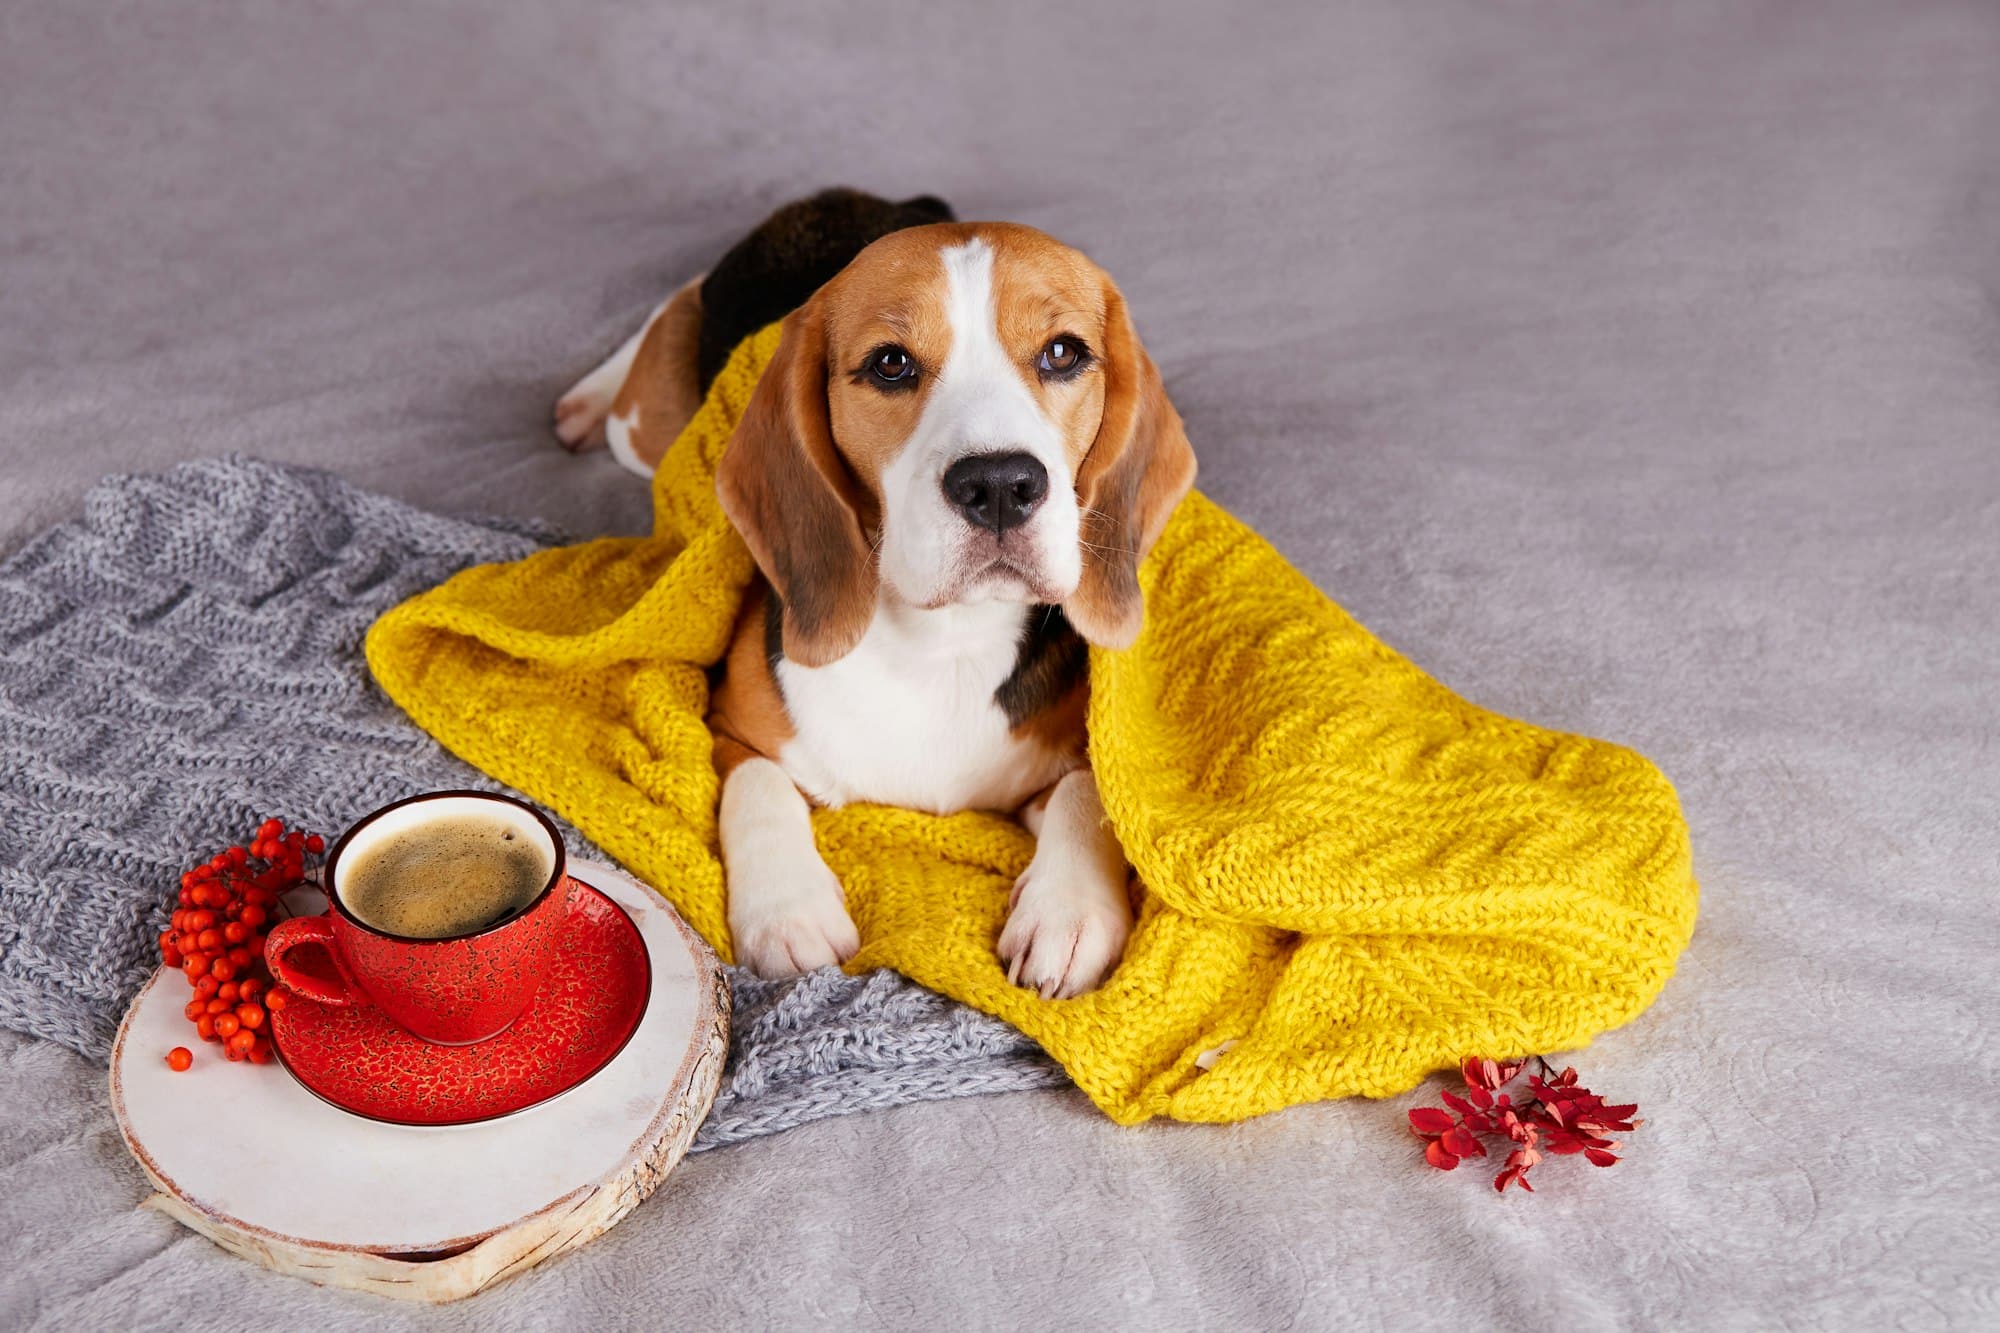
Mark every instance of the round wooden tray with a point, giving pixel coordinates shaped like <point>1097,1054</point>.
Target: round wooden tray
<point>245,1155</point>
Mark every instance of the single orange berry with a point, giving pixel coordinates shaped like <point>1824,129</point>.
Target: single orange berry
<point>249,988</point>
<point>250,1016</point>
<point>235,932</point>
<point>205,1026</point>
<point>260,1054</point>
<point>315,844</point>
<point>228,991</point>
<point>277,999</point>
<point>194,1009</point>
<point>222,969</point>
<point>216,1006</point>
<point>208,988</point>
<point>227,1025</point>
<point>243,1041</point>
<point>179,1058</point>
<point>253,915</point>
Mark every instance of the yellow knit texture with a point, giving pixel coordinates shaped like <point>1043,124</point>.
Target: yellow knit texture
<point>1351,874</point>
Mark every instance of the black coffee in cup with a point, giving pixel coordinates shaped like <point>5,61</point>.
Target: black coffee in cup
<point>450,875</point>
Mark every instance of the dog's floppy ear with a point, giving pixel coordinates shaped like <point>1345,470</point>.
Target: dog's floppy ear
<point>1137,470</point>
<point>790,493</point>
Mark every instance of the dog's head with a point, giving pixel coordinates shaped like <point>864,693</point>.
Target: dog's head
<point>963,414</point>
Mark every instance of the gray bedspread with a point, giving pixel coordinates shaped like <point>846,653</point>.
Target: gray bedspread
<point>1635,368</point>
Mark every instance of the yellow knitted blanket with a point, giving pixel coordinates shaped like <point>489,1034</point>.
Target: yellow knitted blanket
<point>1353,877</point>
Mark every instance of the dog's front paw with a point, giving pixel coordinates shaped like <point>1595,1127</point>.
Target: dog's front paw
<point>784,927</point>
<point>1066,931</point>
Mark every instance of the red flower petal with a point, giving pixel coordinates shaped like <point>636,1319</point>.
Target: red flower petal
<point>1428,1120</point>
<point>1461,1143</point>
<point>1456,1103</point>
<point>1481,1098</point>
<point>1599,1157</point>
<point>1435,1154</point>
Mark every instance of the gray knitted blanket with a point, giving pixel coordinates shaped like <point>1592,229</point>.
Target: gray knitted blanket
<point>186,659</point>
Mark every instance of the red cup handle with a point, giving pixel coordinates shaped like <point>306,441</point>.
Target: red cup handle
<point>289,935</point>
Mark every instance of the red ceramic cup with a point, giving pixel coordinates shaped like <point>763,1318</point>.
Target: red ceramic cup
<point>453,990</point>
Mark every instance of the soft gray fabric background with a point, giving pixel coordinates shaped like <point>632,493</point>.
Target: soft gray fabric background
<point>1635,368</point>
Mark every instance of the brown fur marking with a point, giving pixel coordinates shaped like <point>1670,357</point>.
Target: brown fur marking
<point>661,386</point>
<point>747,711</point>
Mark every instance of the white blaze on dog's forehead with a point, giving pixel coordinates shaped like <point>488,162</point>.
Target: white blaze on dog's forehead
<point>969,303</point>
<point>992,405</point>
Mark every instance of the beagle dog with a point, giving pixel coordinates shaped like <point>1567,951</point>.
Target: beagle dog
<point>948,477</point>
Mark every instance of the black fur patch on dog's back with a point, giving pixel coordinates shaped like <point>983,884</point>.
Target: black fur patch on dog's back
<point>772,271</point>
<point>1051,663</point>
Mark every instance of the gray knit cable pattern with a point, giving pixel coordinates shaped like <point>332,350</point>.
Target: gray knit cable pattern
<point>186,658</point>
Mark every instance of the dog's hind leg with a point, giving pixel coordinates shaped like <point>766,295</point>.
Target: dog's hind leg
<point>581,412</point>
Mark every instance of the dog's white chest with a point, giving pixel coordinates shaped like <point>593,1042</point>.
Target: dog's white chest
<point>909,719</point>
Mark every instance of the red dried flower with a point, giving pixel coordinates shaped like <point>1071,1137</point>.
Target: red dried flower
<point>1492,1075</point>
<point>1557,1116</point>
<point>1446,1141</point>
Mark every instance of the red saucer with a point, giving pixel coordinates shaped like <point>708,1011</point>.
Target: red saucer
<point>589,1007</point>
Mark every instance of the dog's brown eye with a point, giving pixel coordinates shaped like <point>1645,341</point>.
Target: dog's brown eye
<point>891,365</point>
<point>1061,356</point>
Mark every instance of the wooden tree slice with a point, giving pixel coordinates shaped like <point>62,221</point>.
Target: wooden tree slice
<point>249,1158</point>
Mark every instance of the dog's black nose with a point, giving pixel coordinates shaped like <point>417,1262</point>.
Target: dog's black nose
<point>997,491</point>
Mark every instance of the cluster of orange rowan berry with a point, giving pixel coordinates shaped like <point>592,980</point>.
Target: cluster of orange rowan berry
<point>216,939</point>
